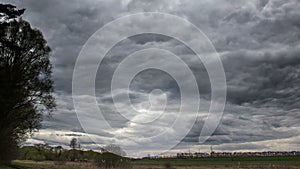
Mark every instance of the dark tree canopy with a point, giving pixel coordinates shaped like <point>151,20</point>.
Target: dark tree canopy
<point>25,80</point>
<point>73,143</point>
<point>8,11</point>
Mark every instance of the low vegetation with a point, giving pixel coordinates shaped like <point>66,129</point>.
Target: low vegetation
<point>60,156</point>
<point>47,157</point>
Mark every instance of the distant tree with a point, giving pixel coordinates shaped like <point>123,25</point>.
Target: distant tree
<point>74,153</point>
<point>74,143</point>
<point>25,80</point>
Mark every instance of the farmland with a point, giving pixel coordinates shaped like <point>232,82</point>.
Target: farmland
<point>235,162</point>
<point>175,163</point>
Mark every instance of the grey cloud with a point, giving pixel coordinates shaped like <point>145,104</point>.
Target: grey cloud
<point>257,41</point>
<point>66,27</point>
<point>246,146</point>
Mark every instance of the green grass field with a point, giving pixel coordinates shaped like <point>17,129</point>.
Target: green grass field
<point>286,160</point>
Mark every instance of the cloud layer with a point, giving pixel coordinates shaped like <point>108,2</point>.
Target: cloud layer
<point>258,42</point>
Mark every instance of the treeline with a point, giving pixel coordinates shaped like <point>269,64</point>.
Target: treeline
<point>41,152</point>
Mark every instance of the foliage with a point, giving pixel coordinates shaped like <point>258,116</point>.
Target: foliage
<point>74,143</point>
<point>25,80</point>
<point>109,160</point>
<point>115,149</point>
<point>58,154</point>
<point>8,11</point>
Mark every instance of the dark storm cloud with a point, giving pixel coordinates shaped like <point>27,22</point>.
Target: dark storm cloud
<point>268,73</point>
<point>148,80</point>
<point>258,42</point>
<point>261,60</point>
<point>66,27</point>
<point>265,77</point>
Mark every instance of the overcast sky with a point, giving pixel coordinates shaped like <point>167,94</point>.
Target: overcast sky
<point>258,43</point>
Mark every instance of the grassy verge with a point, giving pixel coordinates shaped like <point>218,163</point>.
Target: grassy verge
<point>226,161</point>
<point>27,164</point>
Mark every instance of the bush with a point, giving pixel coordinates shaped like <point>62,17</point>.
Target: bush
<point>168,165</point>
<point>109,160</point>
